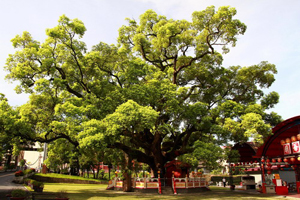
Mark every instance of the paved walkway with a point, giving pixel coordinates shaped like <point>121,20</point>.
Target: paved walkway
<point>6,184</point>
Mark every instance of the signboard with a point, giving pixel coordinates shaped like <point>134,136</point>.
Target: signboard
<point>296,147</point>
<point>287,149</point>
<point>180,184</point>
<point>119,184</point>
<point>139,184</point>
<point>152,185</point>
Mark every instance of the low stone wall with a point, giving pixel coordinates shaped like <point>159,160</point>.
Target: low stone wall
<point>65,180</point>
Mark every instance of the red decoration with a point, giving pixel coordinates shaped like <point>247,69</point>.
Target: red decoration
<point>287,140</point>
<point>268,160</point>
<point>279,160</point>
<point>285,160</point>
<point>273,160</point>
<point>282,142</point>
<point>298,137</point>
<point>298,158</point>
<point>269,172</point>
<point>293,159</point>
<point>262,160</point>
<point>177,174</point>
<point>293,138</point>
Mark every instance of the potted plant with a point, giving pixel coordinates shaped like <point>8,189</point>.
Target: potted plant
<point>37,186</point>
<point>62,195</point>
<point>18,194</point>
<point>19,175</point>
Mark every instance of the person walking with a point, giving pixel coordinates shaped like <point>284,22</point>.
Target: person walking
<point>224,182</point>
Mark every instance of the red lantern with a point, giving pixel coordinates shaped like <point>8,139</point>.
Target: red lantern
<point>279,160</point>
<point>285,160</point>
<point>269,172</point>
<point>298,158</point>
<point>298,137</point>
<point>287,140</point>
<point>293,138</point>
<point>268,160</point>
<point>293,159</point>
<point>262,160</point>
<point>282,142</point>
<point>177,174</point>
<point>273,160</point>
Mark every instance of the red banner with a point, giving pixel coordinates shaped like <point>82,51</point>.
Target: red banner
<point>287,149</point>
<point>296,147</point>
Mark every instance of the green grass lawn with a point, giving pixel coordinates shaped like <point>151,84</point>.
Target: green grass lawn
<point>55,175</point>
<point>98,192</point>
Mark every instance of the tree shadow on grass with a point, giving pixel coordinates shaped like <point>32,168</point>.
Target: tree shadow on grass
<point>221,194</point>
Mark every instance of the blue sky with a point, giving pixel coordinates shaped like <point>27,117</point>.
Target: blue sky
<point>273,33</point>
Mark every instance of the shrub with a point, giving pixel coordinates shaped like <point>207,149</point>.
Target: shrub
<point>37,183</point>
<point>18,193</point>
<point>27,171</point>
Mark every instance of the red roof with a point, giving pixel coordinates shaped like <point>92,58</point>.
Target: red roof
<point>272,147</point>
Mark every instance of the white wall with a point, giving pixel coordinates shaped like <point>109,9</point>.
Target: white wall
<point>34,159</point>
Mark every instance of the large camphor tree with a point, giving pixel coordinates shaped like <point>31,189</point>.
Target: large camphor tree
<point>157,94</point>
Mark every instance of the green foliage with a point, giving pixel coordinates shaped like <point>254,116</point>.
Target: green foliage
<point>159,93</point>
<point>37,183</point>
<point>18,193</point>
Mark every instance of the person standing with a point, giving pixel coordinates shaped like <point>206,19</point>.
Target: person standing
<point>224,182</point>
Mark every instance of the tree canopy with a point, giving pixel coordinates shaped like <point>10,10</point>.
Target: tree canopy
<point>159,93</point>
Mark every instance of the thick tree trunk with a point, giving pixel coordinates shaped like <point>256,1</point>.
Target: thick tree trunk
<point>127,184</point>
